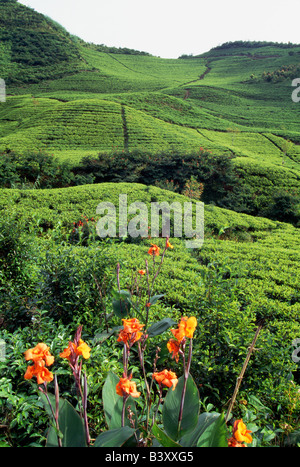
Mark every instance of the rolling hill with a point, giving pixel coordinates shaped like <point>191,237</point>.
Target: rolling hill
<point>74,99</point>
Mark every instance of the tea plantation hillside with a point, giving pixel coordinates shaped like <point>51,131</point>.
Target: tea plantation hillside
<point>235,99</point>
<point>246,273</point>
<point>85,123</point>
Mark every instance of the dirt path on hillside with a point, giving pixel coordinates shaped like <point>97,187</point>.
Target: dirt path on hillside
<point>208,69</point>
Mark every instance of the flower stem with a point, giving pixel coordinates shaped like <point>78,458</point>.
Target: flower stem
<point>148,397</point>
<point>186,375</point>
<point>239,379</point>
<point>54,414</point>
<point>84,403</point>
<point>155,274</point>
<point>160,400</point>
<point>123,410</point>
<point>56,389</point>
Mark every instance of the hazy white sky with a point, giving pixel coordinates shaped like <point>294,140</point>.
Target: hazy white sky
<point>170,28</point>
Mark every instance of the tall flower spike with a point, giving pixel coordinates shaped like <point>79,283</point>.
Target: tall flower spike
<point>76,349</point>
<point>73,351</point>
<point>168,245</point>
<point>186,328</point>
<point>190,326</point>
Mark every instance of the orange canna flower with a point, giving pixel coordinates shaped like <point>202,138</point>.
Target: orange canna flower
<point>154,250</point>
<point>74,350</point>
<point>165,377</point>
<point>240,435</point>
<point>131,332</point>
<point>126,387</point>
<point>142,272</point>
<point>39,352</point>
<point>41,357</point>
<point>132,325</point>
<point>173,346</point>
<point>68,351</point>
<point>83,349</point>
<point>186,328</point>
<point>40,371</point>
<point>240,432</point>
<point>190,326</point>
<point>179,333</point>
<point>129,338</point>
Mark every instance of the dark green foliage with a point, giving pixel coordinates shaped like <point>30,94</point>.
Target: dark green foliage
<point>13,252</point>
<point>216,172</point>
<point>260,190</point>
<point>225,184</point>
<point>116,50</point>
<point>285,207</point>
<point>253,44</point>
<point>239,198</point>
<point>32,170</point>
<point>243,48</point>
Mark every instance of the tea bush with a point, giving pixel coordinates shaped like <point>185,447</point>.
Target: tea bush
<point>68,286</point>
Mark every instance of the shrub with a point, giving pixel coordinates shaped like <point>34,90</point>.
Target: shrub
<point>33,170</point>
<point>285,207</point>
<point>215,172</point>
<point>69,277</point>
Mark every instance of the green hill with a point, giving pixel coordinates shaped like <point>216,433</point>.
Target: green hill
<point>33,47</point>
<point>74,100</point>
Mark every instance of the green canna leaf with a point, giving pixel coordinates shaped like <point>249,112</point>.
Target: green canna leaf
<point>160,327</point>
<point>121,303</point>
<point>171,409</point>
<point>114,438</point>
<point>215,435</point>
<point>163,438</point>
<point>113,403</point>
<point>71,429</point>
